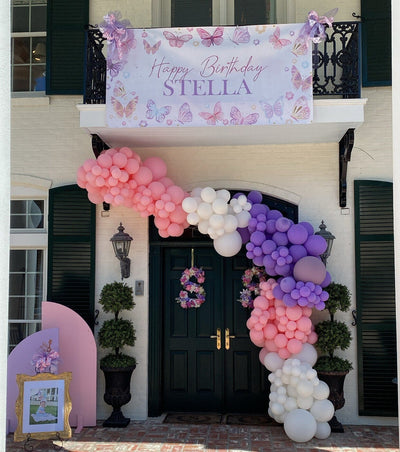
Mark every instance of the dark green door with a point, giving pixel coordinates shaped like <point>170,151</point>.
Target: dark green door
<point>198,374</point>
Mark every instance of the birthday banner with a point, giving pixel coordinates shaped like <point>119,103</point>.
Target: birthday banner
<point>211,76</point>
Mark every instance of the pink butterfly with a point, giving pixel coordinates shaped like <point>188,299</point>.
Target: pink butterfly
<point>299,82</point>
<point>126,110</point>
<point>301,110</point>
<point>277,42</point>
<point>238,119</point>
<point>207,39</point>
<point>185,115</point>
<point>175,40</point>
<point>149,48</point>
<point>300,46</point>
<point>158,113</point>
<point>241,35</point>
<point>271,110</point>
<point>212,119</point>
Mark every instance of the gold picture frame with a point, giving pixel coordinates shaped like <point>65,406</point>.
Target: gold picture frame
<point>43,406</point>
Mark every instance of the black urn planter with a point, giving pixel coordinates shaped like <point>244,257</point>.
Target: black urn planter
<point>117,393</point>
<point>335,381</point>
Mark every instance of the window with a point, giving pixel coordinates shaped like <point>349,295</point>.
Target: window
<point>179,13</point>
<point>28,45</point>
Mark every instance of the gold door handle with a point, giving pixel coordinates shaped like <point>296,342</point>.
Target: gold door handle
<point>228,338</point>
<point>218,337</point>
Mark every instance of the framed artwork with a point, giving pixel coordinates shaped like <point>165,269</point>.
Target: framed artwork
<point>43,406</point>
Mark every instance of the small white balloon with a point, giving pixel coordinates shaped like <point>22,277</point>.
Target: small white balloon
<point>203,226</point>
<point>322,410</point>
<point>242,199</point>
<point>305,388</point>
<point>323,430</point>
<point>230,223</point>
<point>277,408</point>
<point>208,194</point>
<point>189,205</point>
<point>223,194</point>
<point>193,218</point>
<point>321,391</point>
<point>305,402</point>
<point>247,206</point>
<point>220,206</point>
<point>212,233</point>
<point>292,392</point>
<point>308,354</point>
<point>229,244</point>
<point>243,219</point>
<point>281,399</point>
<point>237,208</point>
<point>311,374</point>
<point>196,192</point>
<point>205,211</point>
<point>290,404</point>
<point>272,361</point>
<point>286,379</point>
<point>300,425</point>
<point>273,396</point>
<point>216,221</point>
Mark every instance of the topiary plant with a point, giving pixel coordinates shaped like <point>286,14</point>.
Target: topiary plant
<point>333,335</point>
<point>116,333</point>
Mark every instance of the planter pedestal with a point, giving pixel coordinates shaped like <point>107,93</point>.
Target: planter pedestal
<point>117,393</point>
<point>335,381</point>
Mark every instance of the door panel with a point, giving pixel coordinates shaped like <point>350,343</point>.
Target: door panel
<point>198,376</point>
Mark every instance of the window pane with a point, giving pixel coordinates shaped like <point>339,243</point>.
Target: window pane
<point>18,207</point>
<point>19,331</point>
<point>20,19</point>
<point>38,19</point>
<point>191,13</point>
<point>39,50</point>
<point>28,213</point>
<point>39,84</point>
<point>17,261</point>
<point>21,50</point>
<point>20,79</point>
<point>252,12</point>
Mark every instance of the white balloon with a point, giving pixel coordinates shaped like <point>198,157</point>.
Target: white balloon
<point>321,391</point>
<point>189,205</point>
<point>322,410</point>
<point>311,374</point>
<point>308,354</point>
<point>243,219</point>
<point>208,194</point>
<point>271,378</point>
<point>247,206</point>
<point>223,194</point>
<point>305,388</point>
<point>281,390</point>
<point>242,199</point>
<point>305,402</point>
<point>286,379</point>
<point>273,396</point>
<point>277,409</point>
<point>196,192</point>
<point>290,404</point>
<point>193,218</point>
<point>212,233</point>
<point>281,399</point>
<point>203,227</point>
<point>323,430</point>
<point>230,223</point>
<point>273,362</point>
<point>229,244</point>
<point>294,381</point>
<point>300,425</point>
<point>220,206</point>
<point>205,211</point>
<point>216,221</point>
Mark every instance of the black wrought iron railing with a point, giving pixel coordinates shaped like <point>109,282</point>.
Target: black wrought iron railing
<point>336,64</point>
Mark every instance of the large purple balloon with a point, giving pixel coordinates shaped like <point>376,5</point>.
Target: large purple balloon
<point>283,224</point>
<point>280,238</point>
<point>245,234</point>
<point>258,209</point>
<point>257,238</point>
<point>315,245</point>
<point>268,246</point>
<point>309,268</point>
<point>308,226</point>
<point>297,234</point>
<point>287,284</point>
<point>274,215</point>
<point>327,280</point>
<point>255,197</point>
<point>297,252</point>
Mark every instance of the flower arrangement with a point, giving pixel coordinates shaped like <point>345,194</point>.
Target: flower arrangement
<point>46,360</point>
<point>191,280</point>
<point>251,279</point>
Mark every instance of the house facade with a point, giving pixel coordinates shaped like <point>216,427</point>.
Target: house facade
<point>338,169</point>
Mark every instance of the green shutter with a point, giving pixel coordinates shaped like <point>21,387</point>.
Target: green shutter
<point>191,13</point>
<point>252,12</point>
<point>376,316</point>
<point>66,21</point>
<point>71,264</point>
<point>376,42</point>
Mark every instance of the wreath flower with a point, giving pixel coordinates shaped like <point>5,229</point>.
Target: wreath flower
<point>191,280</point>
<point>251,279</point>
<point>46,360</point>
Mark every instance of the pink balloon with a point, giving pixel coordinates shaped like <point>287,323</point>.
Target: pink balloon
<point>127,151</point>
<point>176,193</point>
<point>312,337</point>
<point>143,176</point>
<point>157,166</point>
<point>132,166</point>
<point>161,223</point>
<point>309,268</point>
<point>294,346</point>
<point>89,164</point>
<point>270,331</point>
<point>257,338</point>
<point>294,312</point>
<point>280,340</point>
<point>95,197</point>
<point>166,181</point>
<point>284,353</point>
<point>108,198</point>
<point>304,324</point>
<point>263,353</point>
<point>270,346</point>
<point>175,230</point>
<point>105,160</point>
<point>119,159</point>
<point>157,189</point>
<point>163,233</point>
<point>178,216</point>
<point>261,302</point>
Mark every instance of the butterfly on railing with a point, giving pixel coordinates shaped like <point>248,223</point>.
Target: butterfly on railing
<point>208,39</point>
<point>185,115</point>
<point>272,109</point>
<point>300,82</point>
<point>149,48</point>
<point>277,41</point>
<point>176,40</point>
<point>158,113</point>
<point>238,119</point>
<point>301,110</point>
<point>241,35</point>
<point>213,118</point>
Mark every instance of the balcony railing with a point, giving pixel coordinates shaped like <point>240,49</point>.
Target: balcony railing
<point>336,64</point>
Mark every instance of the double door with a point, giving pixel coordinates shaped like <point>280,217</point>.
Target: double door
<point>209,362</point>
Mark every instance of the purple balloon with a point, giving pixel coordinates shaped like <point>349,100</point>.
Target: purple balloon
<point>261,217</point>
<point>278,292</point>
<point>312,298</point>
<point>315,245</point>
<point>268,246</point>
<point>287,284</point>
<point>274,215</point>
<point>236,195</point>
<point>261,226</point>
<point>249,246</point>
<point>309,268</point>
<point>283,224</point>
<point>245,234</point>
<point>299,284</point>
<point>281,261</point>
<point>320,306</point>
<point>327,280</point>
<point>297,234</point>
<point>295,294</point>
<point>310,285</point>
<point>280,238</point>
<point>255,197</point>
<point>324,295</point>
<point>257,238</point>
<point>258,251</point>
<point>284,270</point>
<point>268,263</point>
<point>283,251</point>
<point>305,292</point>
<point>308,226</point>
<point>271,229</point>
<point>302,301</point>
<point>258,209</point>
<point>318,290</point>
<point>258,260</point>
<point>297,251</point>
<point>252,225</point>
<point>250,255</point>
<point>288,300</point>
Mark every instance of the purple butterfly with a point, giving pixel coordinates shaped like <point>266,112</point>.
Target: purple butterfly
<point>239,119</point>
<point>241,35</point>
<point>185,115</point>
<point>272,109</point>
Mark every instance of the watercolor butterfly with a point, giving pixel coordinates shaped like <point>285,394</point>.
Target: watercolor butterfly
<point>149,48</point>
<point>241,35</point>
<point>158,113</point>
<point>207,39</point>
<point>212,119</point>
<point>299,82</point>
<point>275,109</point>
<point>126,110</point>
<point>301,110</point>
<point>300,46</point>
<point>114,68</point>
<point>276,40</point>
<point>185,115</point>
<point>175,40</point>
<point>238,119</point>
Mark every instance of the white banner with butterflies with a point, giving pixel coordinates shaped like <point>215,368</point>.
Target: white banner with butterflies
<point>210,76</point>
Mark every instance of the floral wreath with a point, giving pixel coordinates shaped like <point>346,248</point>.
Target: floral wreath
<point>251,279</point>
<point>192,287</point>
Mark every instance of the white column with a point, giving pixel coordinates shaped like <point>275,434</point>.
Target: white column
<point>4,206</point>
<point>396,168</point>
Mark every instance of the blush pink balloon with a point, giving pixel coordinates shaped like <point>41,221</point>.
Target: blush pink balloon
<point>105,160</point>
<point>270,331</point>
<point>284,353</point>
<point>175,230</point>
<point>176,193</point>
<point>261,302</point>
<point>132,166</point>
<point>119,159</point>
<point>157,166</point>
<point>157,189</point>
<point>257,338</point>
<point>178,216</point>
<point>294,346</point>
<point>95,197</point>
<point>262,354</point>
<point>304,324</point>
<point>309,268</point>
<point>143,176</point>
<point>127,151</point>
<point>280,340</point>
<point>161,223</point>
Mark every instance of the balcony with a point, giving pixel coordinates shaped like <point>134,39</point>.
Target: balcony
<point>337,103</point>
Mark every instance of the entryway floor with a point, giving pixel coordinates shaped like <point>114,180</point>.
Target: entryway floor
<point>154,435</point>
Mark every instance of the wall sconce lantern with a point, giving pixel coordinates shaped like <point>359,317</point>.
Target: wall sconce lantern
<point>329,237</point>
<point>121,242</point>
